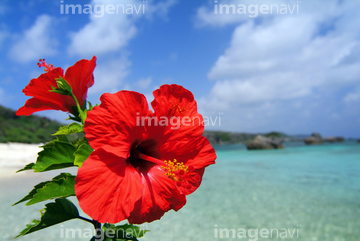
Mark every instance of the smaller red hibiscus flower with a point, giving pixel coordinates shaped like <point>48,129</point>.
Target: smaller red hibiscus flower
<point>144,163</point>
<point>79,77</point>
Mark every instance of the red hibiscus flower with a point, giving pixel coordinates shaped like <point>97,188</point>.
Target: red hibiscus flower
<point>144,163</point>
<point>79,76</point>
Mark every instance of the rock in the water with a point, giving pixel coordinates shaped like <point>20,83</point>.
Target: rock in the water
<point>334,139</point>
<point>314,139</point>
<point>261,142</point>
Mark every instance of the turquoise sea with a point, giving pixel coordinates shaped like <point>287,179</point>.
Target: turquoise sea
<point>304,193</point>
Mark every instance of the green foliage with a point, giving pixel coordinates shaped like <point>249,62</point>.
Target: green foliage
<point>274,134</point>
<point>25,129</point>
<point>63,87</point>
<point>82,153</point>
<point>70,129</point>
<point>224,136</point>
<point>54,213</point>
<point>60,186</point>
<point>56,154</point>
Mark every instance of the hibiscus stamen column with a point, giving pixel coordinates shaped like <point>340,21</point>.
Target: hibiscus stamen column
<point>180,173</point>
<point>47,67</point>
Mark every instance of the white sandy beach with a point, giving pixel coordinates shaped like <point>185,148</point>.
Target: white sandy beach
<point>14,156</point>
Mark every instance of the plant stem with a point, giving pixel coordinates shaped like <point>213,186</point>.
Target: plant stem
<point>97,226</point>
<point>81,112</point>
<point>93,222</point>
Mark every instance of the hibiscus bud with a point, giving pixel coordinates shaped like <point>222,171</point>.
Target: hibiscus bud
<point>63,87</point>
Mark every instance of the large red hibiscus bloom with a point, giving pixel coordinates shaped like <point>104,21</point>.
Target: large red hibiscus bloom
<point>80,78</point>
<point>144,163</point>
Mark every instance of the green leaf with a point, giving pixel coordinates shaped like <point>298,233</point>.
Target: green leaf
<point>82,153</point>
<point>56,154</point>
<point>83,115</point>
<point>122,232</point>
<point>60,211</point>
<point>90,106</point>
<point>27,167</point>
<point>70,129</point>
<point>78,142</point>
<point>60,186</point>
<point>59,91</point>
<point>62,88</point>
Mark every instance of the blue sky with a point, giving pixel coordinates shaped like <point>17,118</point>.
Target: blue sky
<point>295,71</point>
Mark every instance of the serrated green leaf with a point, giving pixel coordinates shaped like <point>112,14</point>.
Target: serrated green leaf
<point>82,153</point>
<point>56,155</point>
<point>60,186</point>
<point>27,167</point>
<point>78,142</point>
<point>54,213</point>
<point>70,129</point>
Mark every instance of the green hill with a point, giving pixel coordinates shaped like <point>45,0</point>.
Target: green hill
<point>222,137</point>
<point>25,129</point>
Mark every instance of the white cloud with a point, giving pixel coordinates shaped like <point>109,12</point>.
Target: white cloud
<point>112,32</point>
<point>109,76</point>
<point>283,61</point>
<point>104,34</point>
<point>352,97</point>
<point>229,12</point>
<point>206,17</point>
<point>36,42</point>
<point>160,9</point>
<point>143,84</point>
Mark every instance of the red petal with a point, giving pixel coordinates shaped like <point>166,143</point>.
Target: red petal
<point>80,77</point>
<point>113,125</point>
<point>197,153</point>
<point>110,190</point>
<point>33,105</point>
<point>107,188</point>
<point>43,98</point>
<point>176,105</point>
<point>159,196</point>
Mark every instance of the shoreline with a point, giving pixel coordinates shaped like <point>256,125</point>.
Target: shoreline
<point>14,156</point>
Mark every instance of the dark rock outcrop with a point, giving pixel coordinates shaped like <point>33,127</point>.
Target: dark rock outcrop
<point>333,139</point>
<point>314,139</point>
<point>262,143</point>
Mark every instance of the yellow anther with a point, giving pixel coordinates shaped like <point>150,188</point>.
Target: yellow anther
<point>175,170</point>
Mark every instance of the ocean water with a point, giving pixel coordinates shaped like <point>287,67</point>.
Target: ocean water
<point>304,193</point>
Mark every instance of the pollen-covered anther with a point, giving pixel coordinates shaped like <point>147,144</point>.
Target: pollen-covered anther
<point>47,67</point>
<point>176,171</point>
